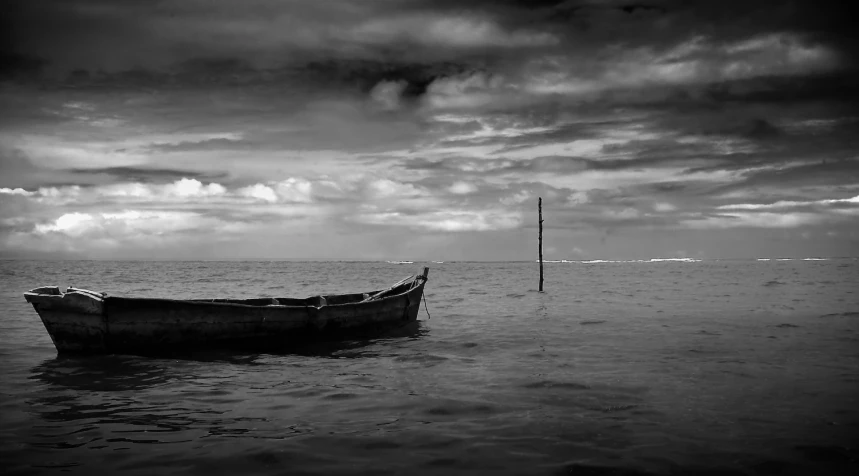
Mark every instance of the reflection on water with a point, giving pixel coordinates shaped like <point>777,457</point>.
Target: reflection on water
<point>101,373</point>
<point>97,405</point>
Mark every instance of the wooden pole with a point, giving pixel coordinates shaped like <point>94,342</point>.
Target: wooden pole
<point>540,211</point>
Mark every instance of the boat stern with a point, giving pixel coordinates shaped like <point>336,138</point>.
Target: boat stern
<point>74,319</point>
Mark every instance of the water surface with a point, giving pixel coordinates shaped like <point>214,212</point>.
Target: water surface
<point>711,367</point>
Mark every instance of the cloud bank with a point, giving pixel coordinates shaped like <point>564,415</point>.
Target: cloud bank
<point>362,130</point>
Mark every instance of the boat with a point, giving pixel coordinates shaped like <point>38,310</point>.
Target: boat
<point>90,322</point>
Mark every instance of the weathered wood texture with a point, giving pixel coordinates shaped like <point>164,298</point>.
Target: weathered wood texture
<point>85,321</point>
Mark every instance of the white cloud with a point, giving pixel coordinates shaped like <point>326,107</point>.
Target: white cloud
<point>187,188</point>
<point>16,191</point>
<point>72,224</point>
<point>120,190</point>
<point>127,224</point>
<point>447,221</point>
<point>462,188</point>
<point>258,191</point>
<point>578,198</point>
<point>788,204</point>
<point>489,131</point>
<point>464,91</point>
<point>386,188</point>
<point>184,191</point>
<point>516,198</point>
<point>102,234</point>
<point>295,190</point>
<point>781,214</point>
<point>450,31</point>
<point>291,190</point>
<point>756,220</point>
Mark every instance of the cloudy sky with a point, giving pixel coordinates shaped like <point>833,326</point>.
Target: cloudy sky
<point>426,129</point>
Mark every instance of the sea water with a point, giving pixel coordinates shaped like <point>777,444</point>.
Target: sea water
<point>633,368</point>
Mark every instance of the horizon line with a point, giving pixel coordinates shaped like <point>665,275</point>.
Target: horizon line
<point>402,262</point>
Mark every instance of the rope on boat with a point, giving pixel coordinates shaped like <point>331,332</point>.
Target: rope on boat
<point>426,308</point>
<point>381,293</point>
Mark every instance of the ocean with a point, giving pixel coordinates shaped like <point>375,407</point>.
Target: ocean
<point>727,367</point>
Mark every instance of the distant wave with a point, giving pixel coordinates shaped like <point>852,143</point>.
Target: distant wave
<point>597,261</point>
<point>400,262</point>
<point>439,262</point>
<point>793,259</point>
<point>684,260</point>
<point>660,260</point>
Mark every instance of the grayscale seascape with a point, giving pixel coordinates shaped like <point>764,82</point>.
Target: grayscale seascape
<point>629,368</point>
<point>640,220</point>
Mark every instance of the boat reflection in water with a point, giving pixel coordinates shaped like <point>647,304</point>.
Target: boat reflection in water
<point>98,405</point>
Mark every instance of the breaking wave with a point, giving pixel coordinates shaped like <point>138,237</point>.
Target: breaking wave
<point>792,259</point>
<point>651,260</point>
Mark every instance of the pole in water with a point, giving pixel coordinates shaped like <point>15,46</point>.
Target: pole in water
<point>540,212</point>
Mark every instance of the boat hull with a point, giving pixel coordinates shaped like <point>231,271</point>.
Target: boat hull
<point>81,321</point>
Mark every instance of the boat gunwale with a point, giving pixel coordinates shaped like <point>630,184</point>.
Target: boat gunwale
<point>104,298</point>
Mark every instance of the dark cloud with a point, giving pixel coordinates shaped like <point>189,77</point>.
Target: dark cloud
<point>315,77</point>
<point>16,167</point>
<point>19,67</point>
<point>124,35</point>
<point>363,75</point>
<point>224,39</point>
<point>149,175</point>
<point>560,165</point>
<point>19,171</point>
<point>204,145</point>
<point>102,44</point>
<point>839,87</point>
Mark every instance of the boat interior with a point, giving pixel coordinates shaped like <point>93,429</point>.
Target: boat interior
<point>316,301</point>
<point>323,300</point>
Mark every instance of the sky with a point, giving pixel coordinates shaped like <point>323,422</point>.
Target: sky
<point>427,129</point>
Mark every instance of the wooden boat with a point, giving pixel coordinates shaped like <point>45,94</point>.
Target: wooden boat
<point>82,321</point>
